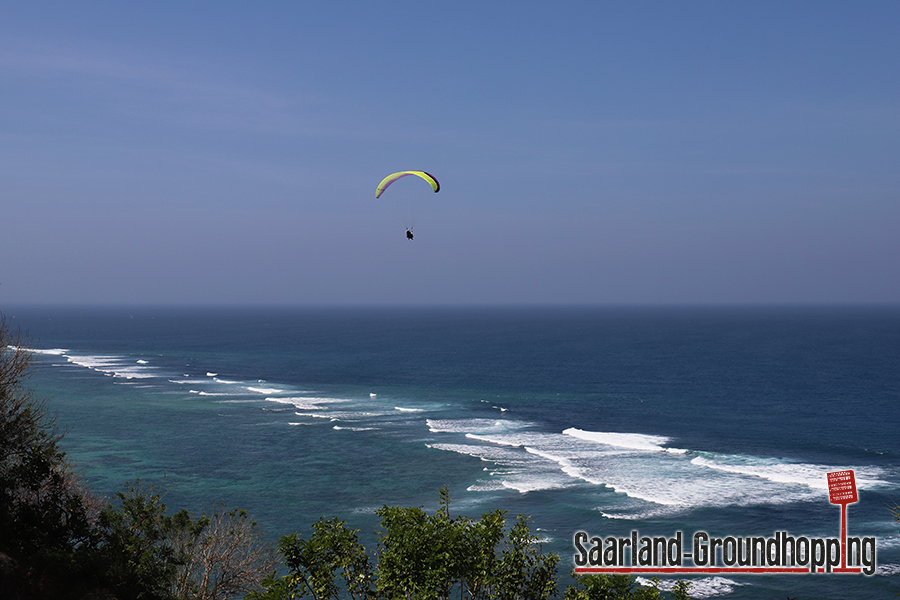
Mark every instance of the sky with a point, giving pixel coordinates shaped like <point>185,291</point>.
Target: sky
<point>589,153</point>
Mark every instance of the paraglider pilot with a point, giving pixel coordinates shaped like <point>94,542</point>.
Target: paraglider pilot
<point>409,234</point>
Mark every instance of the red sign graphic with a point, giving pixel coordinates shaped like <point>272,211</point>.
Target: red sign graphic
<point>842,488</point>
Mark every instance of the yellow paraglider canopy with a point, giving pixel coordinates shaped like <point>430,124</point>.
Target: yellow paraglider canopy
<point>387,181</point>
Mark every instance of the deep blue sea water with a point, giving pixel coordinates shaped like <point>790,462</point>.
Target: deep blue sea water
<point>607,420</point>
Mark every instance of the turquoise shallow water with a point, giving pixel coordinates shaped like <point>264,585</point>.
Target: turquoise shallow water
<point>606,420</point>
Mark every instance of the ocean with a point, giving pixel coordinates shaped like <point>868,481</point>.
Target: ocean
<point>603,420</point>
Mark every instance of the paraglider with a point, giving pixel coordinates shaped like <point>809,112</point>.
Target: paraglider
<point>412,195</point>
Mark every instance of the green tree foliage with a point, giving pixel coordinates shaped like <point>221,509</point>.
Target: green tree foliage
<point>331,564</point>
<point>680,591</point>
<point>524,572</point>
<point>420,557</point>
<point>136,546</point>
<point>439,557</point>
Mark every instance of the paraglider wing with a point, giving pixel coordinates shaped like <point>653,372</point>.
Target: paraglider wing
<point>387,181</point>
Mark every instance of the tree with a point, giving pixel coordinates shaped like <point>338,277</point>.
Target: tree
<point>149,554</point>
<point>222,556</point>
<point>434,558</point>
<point>524,572</point>
<point>331,564</point>
<point>46,513</point>
<point>135,544</point>
<point>420,557</point>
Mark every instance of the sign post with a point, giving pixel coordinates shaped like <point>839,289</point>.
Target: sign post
<point>842,490</point>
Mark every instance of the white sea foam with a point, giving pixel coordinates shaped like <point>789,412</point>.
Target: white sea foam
<point>474,425</point>
<point>513,469</point>
<point>889,541</point>
<point>486,486</point>
<point>99,363</point>
<point>305,402</point>
<point>411,410</point>
<point>635,441</point>
<point>260,390</point>
<point>114,366</point>
<point>888,570</point>
<point>812,476</point>
<point>47,351</point>
<point>314,415</point>
<point>356,416</point>
<point>637,510</point>
<point>654,479</point>
<point>327,408</point>
<point>239,401</point>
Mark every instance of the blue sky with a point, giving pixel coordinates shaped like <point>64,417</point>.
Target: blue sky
<point>588,152</point>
